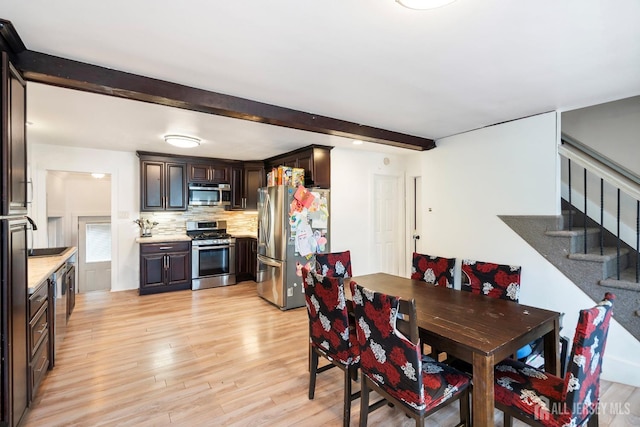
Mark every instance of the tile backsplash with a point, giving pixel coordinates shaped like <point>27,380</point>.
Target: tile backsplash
<point>238,222</point>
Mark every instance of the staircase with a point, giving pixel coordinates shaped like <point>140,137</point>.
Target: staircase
<point>593,272</point>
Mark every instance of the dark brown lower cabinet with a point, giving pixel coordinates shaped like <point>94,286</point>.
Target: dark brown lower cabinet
<point>165,267</point>
<point>246,258</point>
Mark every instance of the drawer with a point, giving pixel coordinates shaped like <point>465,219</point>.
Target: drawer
<point>151,248</point>
<point>38,298</point>
<point>39,328</point>
<point>39,366</point>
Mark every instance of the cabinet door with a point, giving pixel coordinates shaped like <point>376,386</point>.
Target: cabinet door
<point>152,193</point>
<point>253,179</point>
<point>14,142</point>
<point>320,167</point>
<point>70,280</point>
<point>176,197</point>
<point>253,258</point>
<point>152,271</point>
<point>220,173</point>
<point>179,265</point>
<point>237,188</point>
<point>243,250</point>
<point>199,172</point>
<point>17,365</point>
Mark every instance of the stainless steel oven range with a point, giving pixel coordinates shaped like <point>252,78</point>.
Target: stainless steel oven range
<point>213,256</point>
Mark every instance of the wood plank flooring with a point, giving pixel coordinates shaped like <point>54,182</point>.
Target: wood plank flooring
<point>214,357</point>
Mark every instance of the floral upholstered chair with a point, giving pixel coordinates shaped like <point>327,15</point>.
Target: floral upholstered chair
<point>541,398</point>
<point>494,280</point>
<point>393,366</point>
<point>331,334</point>
<point>336,264</point>
<point>433,269</point>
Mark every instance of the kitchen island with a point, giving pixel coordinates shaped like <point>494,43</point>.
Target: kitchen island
<point>51,297</point>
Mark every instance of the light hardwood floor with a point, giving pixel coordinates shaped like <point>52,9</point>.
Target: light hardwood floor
<point>214,357</point>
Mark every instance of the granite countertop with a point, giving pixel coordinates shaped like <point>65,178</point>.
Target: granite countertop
<point>164,238</point>
<point>40,268</point>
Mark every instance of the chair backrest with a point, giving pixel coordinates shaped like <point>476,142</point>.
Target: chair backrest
<point>336,264</point>
<point>387,357</point>
<point>329,318</point>
<point>433,269</point>
<point>494,280</point>
<point>582,381</point>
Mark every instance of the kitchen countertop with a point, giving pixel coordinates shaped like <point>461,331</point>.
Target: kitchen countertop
<point>40,268</point>
<point>249,235</point>
<point>164,238</point>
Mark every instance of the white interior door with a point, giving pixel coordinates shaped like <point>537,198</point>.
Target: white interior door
<point>388,224</point>
<point>94,253</point>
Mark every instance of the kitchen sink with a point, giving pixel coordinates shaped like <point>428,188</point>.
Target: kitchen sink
<point>42,252</point>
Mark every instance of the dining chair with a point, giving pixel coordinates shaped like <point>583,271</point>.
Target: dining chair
<point>331,334</point>
<point>494,280</point>
<point>542,399</point>
<point>336,264</point>
<point>392,365</point>
<point>435,270</point>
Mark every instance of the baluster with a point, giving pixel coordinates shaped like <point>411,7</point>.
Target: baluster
<point>570,203</point>
<point>585,210</point>
<point>618,231</point>
<point>601,216</point>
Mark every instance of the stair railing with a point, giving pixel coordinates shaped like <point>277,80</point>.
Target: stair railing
<point>615,175</point>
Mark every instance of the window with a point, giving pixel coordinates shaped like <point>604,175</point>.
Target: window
<point>98,242</point>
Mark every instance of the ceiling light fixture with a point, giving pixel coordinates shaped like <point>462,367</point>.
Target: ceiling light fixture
<point>182,141</point>
<point>97,175</point>
<point>357,142</point>
<point>424,4</point>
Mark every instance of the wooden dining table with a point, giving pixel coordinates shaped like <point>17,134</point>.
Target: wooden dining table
<point>475,328</point>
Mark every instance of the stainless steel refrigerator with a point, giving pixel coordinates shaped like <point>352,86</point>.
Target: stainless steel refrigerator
<point>293,225</point>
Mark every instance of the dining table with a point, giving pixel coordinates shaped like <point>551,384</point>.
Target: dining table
<point>472,327</point>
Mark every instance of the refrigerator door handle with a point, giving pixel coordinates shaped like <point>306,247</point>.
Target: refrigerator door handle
<point>268,261</point>
<point>267,219</point>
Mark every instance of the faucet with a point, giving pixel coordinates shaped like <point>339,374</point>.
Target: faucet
<point>34,227</point>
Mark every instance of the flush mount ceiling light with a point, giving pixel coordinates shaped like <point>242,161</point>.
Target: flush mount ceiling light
<point>357,142</point>
<point>182,141</point>
<point>424,4</point>
<point>97,175</point>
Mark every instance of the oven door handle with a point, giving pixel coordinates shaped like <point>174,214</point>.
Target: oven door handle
<point>221,246</point>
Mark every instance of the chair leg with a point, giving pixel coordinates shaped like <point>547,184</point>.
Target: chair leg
<point>346,411</point>
<point>465,418</point>
<point>313,368</point>
<point>364,401</point>
<point>508,420</point>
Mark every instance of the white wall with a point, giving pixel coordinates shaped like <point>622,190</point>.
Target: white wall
<point>125,200</point>
<point>508,169</point>
<point>352,175</point>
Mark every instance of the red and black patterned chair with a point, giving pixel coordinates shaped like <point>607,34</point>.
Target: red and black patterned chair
<point>336,264</point>
<point>393,366</point>
<point>433,269</point>
<point>540,398</point>
<point>331,334</point>
<point>494,280</point>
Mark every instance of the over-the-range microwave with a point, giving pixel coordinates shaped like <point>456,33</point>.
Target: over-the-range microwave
<point>209,194</point>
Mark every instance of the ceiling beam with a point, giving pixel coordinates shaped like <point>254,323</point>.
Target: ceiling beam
<point>53,70</point>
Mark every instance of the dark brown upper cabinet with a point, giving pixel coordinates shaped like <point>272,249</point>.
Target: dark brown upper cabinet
<point>245,181</point>
<point>314,159</point>
<point>14,140</point>
<point>209,172</point>
<point>163,184</point>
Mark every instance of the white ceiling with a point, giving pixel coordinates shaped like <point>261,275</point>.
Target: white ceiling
<point>426,73</point>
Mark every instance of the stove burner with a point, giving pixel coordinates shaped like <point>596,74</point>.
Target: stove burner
<point>202,235</point>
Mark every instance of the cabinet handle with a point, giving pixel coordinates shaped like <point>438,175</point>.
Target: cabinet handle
<point>165,248</point>
<point>41,299</point>
<point>164,260</point>
<point>44,328</point>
